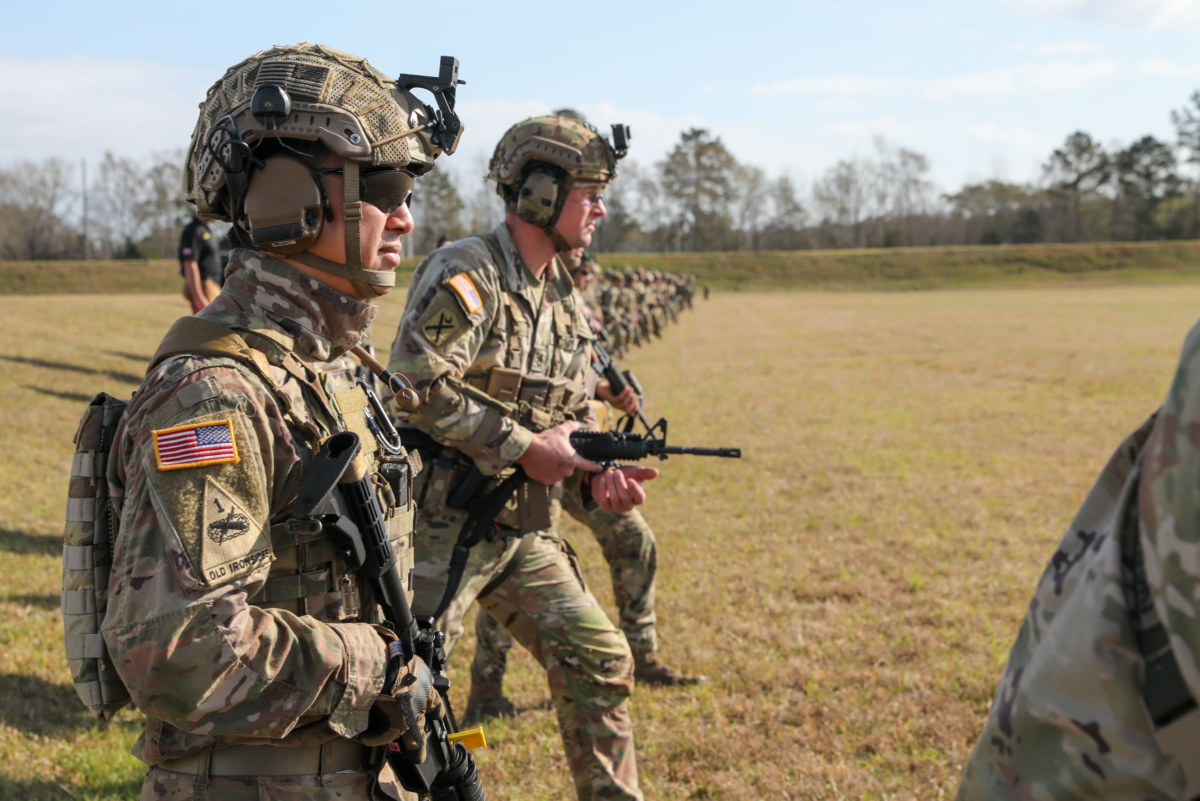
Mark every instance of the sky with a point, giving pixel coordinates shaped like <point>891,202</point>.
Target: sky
<point>985,88</point>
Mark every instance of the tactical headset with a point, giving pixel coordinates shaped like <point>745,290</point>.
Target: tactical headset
<point>276,196</point>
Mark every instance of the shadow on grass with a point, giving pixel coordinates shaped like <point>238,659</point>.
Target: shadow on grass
<point>35,706</point>
<point>47,603</point>
<point>21,542</point>
<point>128,378</point>
<point>50,790</point>
<point>137,357</point>
<point>75,397</point>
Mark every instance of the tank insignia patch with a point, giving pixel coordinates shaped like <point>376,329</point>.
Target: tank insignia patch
<point>438,328</point>
<point>465,288</point>
<point>232,543</point>
<point>195,445</point>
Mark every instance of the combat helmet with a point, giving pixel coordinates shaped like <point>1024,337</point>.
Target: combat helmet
<point>539,160</point>
<point>245,165</point>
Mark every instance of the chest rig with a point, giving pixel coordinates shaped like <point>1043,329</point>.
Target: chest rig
<point>533,387</point>
<point>309,575</point>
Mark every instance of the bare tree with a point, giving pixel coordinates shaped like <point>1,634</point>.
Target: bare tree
<point>1187,129</point>
<point>841,195</point>
<point>437,210</point>
<point>752,192</point>
<point>482,207</point>
<point>1078,167</point>
<point>35,200</point>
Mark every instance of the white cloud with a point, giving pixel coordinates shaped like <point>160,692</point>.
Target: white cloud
<point>1148,15</point>
<point>833,85</point>
<point>839,105</point>
<point>1014,136</point>
<point>82,106</point>
<point>971,35</point>
<point>1072,47</point>
<point>880,126</point>
<point>1161,68</point>
<point>1053,76</point>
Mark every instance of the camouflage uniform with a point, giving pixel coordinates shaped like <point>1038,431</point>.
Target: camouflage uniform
<point>629,548</point>
<point>227,630</point>
<point>1070,719</point>
<point>469,313</point>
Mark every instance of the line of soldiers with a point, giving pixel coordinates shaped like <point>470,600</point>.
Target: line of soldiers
<point>634,304</point>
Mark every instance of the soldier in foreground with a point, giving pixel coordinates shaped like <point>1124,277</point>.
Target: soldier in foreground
<point>250,646</point>
<point>1097,698</point>
<point>494,320</point>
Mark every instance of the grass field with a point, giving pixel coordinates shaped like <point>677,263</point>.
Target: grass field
<point>876,269</point>
<point>850,588</point>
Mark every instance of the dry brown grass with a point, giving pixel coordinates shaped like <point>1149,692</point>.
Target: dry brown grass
<point>850,588</point>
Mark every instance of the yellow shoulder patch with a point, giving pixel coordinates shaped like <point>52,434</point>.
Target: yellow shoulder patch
<point>195,445</point>
<point>465,289</point>
<point>440,326</point>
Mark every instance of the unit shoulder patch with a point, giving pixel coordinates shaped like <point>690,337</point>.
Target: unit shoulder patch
<point>438,328</point>
<point>233,542</point>
<point>464,287</point>
<point>443,322</point>
<point>195,445</point>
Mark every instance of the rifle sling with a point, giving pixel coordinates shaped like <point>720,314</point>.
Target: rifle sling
<point>478,521</point>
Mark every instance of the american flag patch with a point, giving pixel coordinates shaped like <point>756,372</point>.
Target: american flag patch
<point>465,288</point>
<point>195,445</point>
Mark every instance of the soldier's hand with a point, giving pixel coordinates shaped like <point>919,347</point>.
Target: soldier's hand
<point>551,458</point>
<point>620,489</point>
<point>626,401</point>
<point>400,714</point>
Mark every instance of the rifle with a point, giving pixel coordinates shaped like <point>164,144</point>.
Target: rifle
<point>448,772</point>
<point>608,447</point>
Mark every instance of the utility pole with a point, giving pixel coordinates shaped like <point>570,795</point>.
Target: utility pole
<point>87,252</point>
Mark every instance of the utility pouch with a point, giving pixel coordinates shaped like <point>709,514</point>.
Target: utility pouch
<point>533,507</point>
<point>438,480</point>
<point>87,560</point>
<point>504,383</point>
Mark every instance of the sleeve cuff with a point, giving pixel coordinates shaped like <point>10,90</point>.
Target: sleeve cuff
<point>366,662</point>
<point>515,444</point>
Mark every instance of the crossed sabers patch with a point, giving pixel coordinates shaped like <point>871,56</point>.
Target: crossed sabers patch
<point>438,328</point>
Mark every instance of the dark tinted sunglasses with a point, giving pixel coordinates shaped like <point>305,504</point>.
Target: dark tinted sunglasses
<point>385,188</point>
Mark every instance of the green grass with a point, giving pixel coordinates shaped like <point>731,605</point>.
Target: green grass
<point>851,587</point>
<point>894,269</point>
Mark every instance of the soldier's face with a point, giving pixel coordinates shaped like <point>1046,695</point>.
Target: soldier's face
<point>379,233</point>
<point>582,210</point>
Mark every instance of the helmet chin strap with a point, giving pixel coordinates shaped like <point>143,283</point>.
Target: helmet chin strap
<point>362,279</point>
<point>561,244</point>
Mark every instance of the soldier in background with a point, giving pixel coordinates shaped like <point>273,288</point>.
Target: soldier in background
<point>628,545</point>
<point>443,240</point>
<point>1097,699</point>
<point>495,319</point>
<point>200,263</point>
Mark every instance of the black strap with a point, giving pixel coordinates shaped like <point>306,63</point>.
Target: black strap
<point>473,530</point>
<point>1165,691</point>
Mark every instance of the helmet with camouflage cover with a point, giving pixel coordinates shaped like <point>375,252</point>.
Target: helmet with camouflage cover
<point>539,160</point>
<point>251,160</point>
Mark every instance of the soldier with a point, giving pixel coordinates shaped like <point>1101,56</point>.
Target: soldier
<point>200,263</point>
<point>494,330</point>
<point>253,651</point>
<point>1097,698</point>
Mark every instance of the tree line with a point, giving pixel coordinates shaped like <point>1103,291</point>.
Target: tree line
<point>699,197</point>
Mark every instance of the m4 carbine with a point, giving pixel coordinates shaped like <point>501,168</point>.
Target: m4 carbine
<point>607,447</point>
<point>448,772</point>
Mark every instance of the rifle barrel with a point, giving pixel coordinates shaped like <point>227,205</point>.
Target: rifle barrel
<point>725,453</point>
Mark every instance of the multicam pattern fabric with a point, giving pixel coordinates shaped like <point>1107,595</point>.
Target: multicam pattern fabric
<point>634,305</point>
<point>1069,720</point>
<point>269,651</point>
<point>544,602</point>
<point>632,555</point>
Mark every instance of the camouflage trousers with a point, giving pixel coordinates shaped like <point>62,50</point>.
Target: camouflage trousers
<point>632,555</point>
<point>549,610</point>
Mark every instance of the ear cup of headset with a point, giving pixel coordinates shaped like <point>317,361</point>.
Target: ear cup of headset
<point>538,197</point>
<point>283,206</point>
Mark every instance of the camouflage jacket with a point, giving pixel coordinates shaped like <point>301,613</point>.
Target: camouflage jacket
<point>225,628</point>
<point>468,314</point>
<point>1069,720</point>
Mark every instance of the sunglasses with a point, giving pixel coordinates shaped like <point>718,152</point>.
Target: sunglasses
<point>385,188</point>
